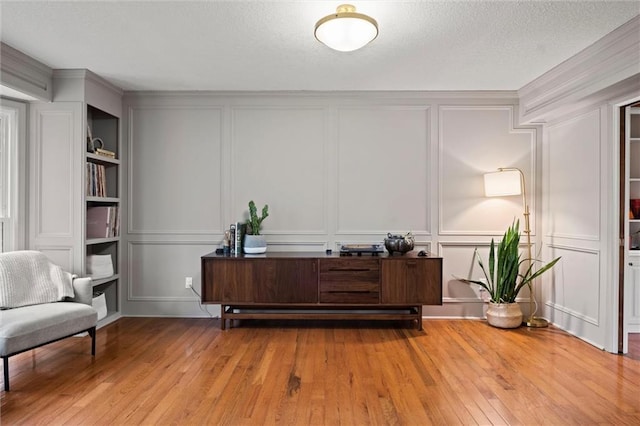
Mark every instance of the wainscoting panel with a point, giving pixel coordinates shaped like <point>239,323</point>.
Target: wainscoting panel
<point>157,270</point>
<point>383,168</point>
<point>575,289</point>
<point>175,170</point>
<point>279,159</point>
<point>459,262</point>
<point>485,142</point>
<point>574,192</point>
<point>61,256</point>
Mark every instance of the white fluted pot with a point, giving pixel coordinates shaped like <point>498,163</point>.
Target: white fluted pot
<point>504,315</point>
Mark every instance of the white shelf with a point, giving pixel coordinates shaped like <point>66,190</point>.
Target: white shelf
<point>92,241</point>
<point>111,199</point>
<point>100,281</point>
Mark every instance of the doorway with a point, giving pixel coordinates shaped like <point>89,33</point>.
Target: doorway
<point>629,232</point>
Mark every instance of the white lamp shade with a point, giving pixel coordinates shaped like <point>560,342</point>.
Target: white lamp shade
<point>346,30</point>
<point>503,183</point>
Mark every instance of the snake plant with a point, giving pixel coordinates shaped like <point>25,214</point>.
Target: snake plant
<point>503,278</point>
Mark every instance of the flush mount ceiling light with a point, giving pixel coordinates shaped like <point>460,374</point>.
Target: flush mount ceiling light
<point>346,30</point>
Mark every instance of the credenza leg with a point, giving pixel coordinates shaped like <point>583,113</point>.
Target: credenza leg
<point>420,318</point>
<point>223,320</point>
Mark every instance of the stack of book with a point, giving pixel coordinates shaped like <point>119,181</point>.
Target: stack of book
<point>236,237</point>
<point>105,153</point>
<point>103,222</point>
<point>96,180</point>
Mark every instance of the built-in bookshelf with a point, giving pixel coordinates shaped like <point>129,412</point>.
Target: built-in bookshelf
<point>634,179</point>
<point>102,204</point>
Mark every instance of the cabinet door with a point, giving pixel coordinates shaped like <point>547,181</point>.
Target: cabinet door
<point>227,281</point>
<point>212,284</point>
<point>286,281</point>
<point>412,281</point>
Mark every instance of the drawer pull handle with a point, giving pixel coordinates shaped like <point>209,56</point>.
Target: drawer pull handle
<point>348,269</point>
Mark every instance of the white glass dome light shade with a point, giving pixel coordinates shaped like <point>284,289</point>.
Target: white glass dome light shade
<point>346,30</point>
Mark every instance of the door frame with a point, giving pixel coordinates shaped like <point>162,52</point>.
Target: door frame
<point>619,336</point>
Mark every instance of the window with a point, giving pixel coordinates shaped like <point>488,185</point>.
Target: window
<point>12,131</point>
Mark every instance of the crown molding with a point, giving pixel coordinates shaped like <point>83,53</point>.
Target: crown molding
<point>84,75</point>
<point>610,60</point>
<point>24,74</point>
<point>365,94</point>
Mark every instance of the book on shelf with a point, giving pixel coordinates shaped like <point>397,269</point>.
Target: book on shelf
<point>232,238</point>
<point>237,231</point>
<point>96,178</point>
<point>103,222</point>
<point>241,229</point>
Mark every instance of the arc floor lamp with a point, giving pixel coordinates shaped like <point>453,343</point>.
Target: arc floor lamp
<point>508,181</point>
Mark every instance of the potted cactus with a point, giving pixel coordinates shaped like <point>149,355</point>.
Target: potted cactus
<point>254,243</point>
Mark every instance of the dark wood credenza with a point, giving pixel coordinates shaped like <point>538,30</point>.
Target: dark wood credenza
<point>302,285</point>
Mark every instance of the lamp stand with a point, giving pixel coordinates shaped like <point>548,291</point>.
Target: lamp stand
<point>532,321</point>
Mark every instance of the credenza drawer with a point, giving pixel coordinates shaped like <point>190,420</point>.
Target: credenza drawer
<point>349,281</point>
<point>349,287</point>
<point>350,297</point>
<point>349,270</point>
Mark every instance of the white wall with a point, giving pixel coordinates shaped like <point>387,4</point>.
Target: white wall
<point>575,190</point>
<point>578,103</point>
<point>334,168</point>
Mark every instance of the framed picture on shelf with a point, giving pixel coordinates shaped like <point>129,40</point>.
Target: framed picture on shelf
<point>90,147</point>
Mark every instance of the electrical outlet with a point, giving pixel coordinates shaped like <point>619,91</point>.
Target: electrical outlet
<point>188,282</point>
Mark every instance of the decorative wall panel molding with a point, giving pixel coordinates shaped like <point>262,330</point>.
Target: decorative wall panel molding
<point>487,140</point>
<point>383,168</point>
<point>175,170</point>
<point>459,261</point>
<point>279,158</point>
<point>157,270</point>
<point>314,246</point>
<point>62,256</point>
<point>574,193</point>
<point>333,168</point>
<point>576,283</point>
<point>53,185</point>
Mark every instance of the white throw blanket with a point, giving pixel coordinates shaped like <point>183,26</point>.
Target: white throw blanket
<point>29,278</point>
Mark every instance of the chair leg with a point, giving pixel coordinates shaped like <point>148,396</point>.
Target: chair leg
<point>5,364</point>
<point>92,333</point>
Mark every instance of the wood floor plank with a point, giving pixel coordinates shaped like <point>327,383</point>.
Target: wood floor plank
<point>187,371</point>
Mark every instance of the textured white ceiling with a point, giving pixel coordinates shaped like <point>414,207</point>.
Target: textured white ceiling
<point>269,45</point>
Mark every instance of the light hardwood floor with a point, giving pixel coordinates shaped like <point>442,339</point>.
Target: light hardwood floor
<point>187,371</point>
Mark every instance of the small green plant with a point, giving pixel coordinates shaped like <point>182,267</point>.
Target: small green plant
<point>504,280</point>
<point>254,222</point>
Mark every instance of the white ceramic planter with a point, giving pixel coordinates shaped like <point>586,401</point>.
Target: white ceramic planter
<point>254,244</point>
